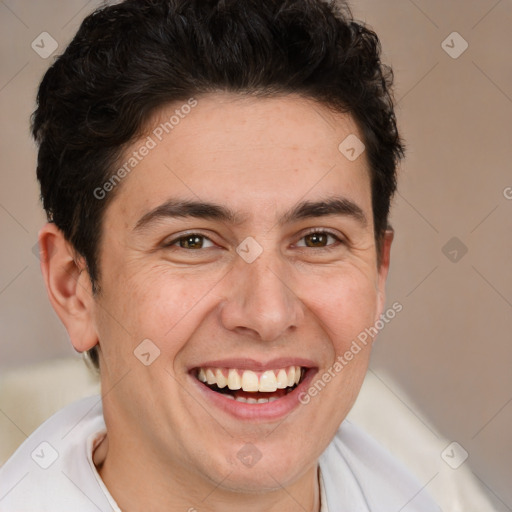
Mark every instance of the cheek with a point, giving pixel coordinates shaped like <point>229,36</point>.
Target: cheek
<point>345,306</point>
<point>161,306</point>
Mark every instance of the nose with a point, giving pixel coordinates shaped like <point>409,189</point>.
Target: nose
<point>260,300</point>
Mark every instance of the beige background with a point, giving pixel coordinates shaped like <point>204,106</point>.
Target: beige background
<point>450,349</point>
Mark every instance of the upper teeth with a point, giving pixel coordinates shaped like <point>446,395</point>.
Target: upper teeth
<point>248,380</point>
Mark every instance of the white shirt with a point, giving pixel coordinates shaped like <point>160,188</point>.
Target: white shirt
<point>53,470</point>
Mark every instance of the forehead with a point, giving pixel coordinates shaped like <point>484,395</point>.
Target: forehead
<point>247,152</point>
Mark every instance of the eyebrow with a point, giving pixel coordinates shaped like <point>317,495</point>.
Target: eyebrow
<point>331,206</point>
<point>197,209</point>
<point>203,210</point>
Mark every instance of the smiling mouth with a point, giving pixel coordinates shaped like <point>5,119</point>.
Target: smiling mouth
<point>252,387</point>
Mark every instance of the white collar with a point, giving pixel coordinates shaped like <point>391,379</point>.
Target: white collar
<point>93,442</point>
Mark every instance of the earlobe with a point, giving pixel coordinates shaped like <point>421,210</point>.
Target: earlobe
<point>68,286</point>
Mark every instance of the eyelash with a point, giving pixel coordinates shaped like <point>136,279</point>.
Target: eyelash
<point>337,239</point>
<point>322,231</point>
<point>175,241</point>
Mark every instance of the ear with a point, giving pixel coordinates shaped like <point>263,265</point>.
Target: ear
<point>382,271</point>
<point>69,287</point>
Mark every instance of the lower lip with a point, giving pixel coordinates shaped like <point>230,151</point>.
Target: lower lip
<point>269,411</point>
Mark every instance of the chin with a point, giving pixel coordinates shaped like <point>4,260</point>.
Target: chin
<point>262,480</point>
<point>256,470</point>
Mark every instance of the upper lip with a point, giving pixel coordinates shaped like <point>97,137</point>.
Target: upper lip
<point>255,365</point>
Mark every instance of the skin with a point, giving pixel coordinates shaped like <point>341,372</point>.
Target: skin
<point>259,157</point>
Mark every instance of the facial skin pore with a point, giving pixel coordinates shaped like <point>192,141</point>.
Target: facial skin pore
<point>235,167</point>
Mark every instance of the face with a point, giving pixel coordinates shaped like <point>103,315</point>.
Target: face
<point>242,247</point>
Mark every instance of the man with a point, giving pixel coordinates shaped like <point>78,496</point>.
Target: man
<point>217,178</point>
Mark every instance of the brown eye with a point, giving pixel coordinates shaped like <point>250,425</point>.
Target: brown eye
<point>320,239</point>
<point>316,240</point>
<point>193,241</point>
